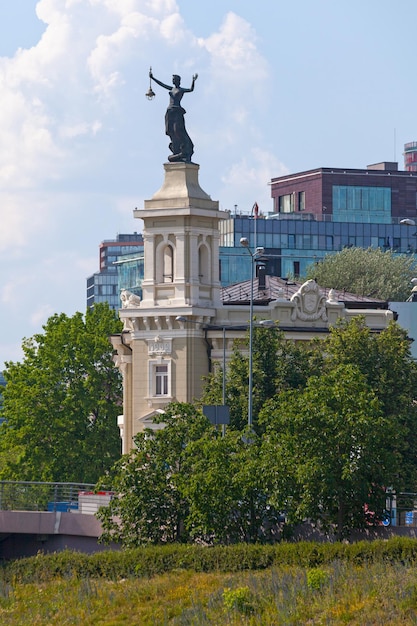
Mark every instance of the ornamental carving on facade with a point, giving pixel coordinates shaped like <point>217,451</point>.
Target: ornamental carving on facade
<point>129,300</point>
<point>160,346</point>
<point>310,303</point>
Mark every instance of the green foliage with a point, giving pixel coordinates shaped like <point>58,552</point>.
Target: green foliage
<point>317,578</point>
<point>151,507</point>
<point>185,482</point>
<point>212,489</point>
<point>154,560</point>
<point>385,361</point>
<point>335,424</point>
<point>61,402</point>
<point>326,447</point>
<point>226,493</point>
<point>240,599</point>
<point>366,272</point>
<point>331,447</point>
<point>277,364</point>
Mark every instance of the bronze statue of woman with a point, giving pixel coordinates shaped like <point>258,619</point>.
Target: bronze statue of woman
<point>181,145</point>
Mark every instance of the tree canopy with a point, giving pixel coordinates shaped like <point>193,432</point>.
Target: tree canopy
<point>151,507</point>
<point>366,272</point>
<point>61,402</point>
<point>328,450</point>
<point>332,447</point>
<point>186,482</point>
<point>335,424</point>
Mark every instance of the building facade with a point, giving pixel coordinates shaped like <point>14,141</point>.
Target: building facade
<point>184,322</point>
<point>378,194</point>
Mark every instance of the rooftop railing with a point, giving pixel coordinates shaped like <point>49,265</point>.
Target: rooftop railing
<point>306,217</point>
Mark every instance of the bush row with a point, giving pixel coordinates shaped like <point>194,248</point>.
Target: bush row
<point>152,560</point>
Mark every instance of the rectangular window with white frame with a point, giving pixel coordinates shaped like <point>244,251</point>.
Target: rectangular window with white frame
<point>160,378</point>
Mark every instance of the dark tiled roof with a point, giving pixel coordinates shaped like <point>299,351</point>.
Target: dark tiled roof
<point>275,288</point>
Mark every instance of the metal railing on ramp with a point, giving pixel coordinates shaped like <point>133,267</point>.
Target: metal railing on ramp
<point>44,496</point>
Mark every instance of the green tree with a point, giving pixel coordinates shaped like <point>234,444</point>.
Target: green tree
<point>226,492</point>
<point>385,361</point>
<point>337,424</point>
<point>185,482</point>
<point>366,272</point>
<point>328,450</point>
<point>150,507</point>
<point>354,421</point>
<point>61,402</point>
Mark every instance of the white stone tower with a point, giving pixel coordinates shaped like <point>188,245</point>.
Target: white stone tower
<point>161,359</point>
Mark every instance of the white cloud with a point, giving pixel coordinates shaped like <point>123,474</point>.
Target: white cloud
<point>172,29</point>
<point>24,217</point>
<point>80,147</point>
<point>234,95</point>
<point>233,51</point>
<point>246,181</point>
<point>80,129</point>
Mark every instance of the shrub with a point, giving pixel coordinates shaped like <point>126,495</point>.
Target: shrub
<point>317,578</point>
<point>240,599</point>
<point>152,560</point>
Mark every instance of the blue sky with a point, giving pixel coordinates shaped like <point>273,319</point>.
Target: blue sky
<point>283,87</point>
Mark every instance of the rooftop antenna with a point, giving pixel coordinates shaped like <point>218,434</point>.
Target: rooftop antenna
<point>395,145</point>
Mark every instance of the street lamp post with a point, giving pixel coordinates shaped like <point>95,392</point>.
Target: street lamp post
<point>254,256</point>
<point>224,367</point>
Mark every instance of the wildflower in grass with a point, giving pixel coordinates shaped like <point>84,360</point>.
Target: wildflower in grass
<point>317,578</point>
<point>240,599</point>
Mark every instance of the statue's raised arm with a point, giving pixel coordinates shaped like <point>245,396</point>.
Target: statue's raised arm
<point>181,145</point>
<point>158,82</point>
<point>195,76</point>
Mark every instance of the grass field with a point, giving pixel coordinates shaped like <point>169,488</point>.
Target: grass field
<point>339,593</point>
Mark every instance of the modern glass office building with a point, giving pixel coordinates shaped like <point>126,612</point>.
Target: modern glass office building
<point>322,211</point>
<point>103,286</point>
<point>291,243</point>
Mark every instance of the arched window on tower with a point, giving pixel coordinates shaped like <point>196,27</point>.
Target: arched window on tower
<point>168,264</point>
<point>204,274</point>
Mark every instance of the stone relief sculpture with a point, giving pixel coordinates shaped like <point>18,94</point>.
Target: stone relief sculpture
<point>180,145</point>
<point>129,300</point>
<point>310,303</point>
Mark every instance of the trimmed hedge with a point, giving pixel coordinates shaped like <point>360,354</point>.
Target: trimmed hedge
<point>152,560</point>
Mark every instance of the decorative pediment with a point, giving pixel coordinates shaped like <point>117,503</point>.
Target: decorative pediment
<point>147,421</point>
<point>310,303</point>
